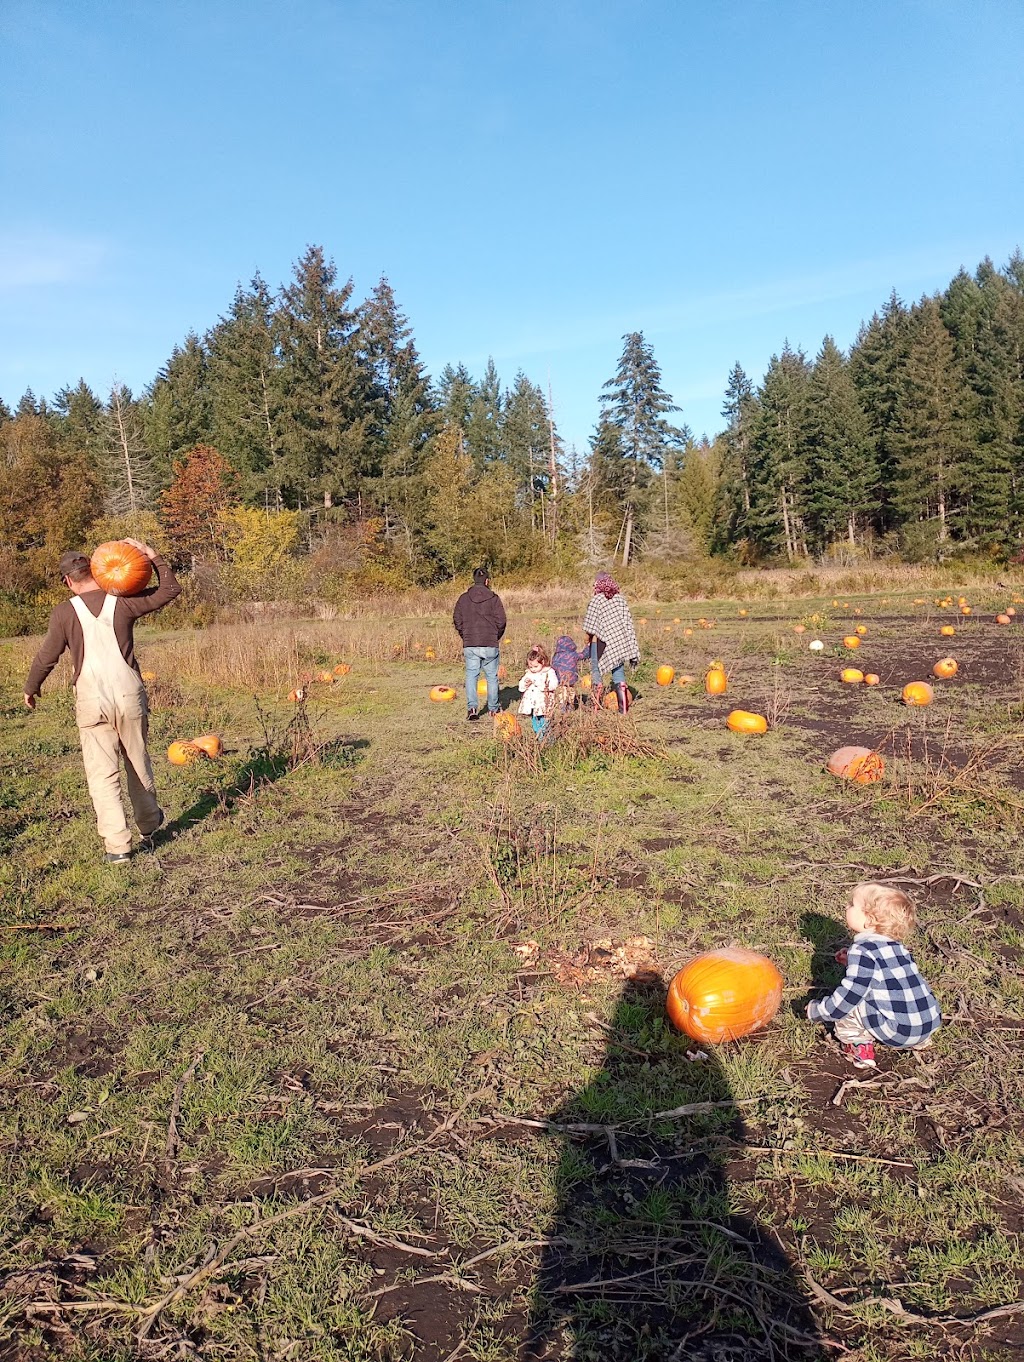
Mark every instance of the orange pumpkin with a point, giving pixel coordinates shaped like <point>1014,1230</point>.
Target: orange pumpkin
<point>184,753</point>
<point>298,695</point>
<point>506,726</point>
<point>325,678</point>
<point>743,721</point>
<point>799,628</point>
<point>716,683</point>
<point>611,699</point>
<point>918,693</point>
<point>851,676</point>
<point>209,743</point>
<point>871,678</point>
<point>743,614</point>
<point>1002,619</point>
<point>851,641</point>
<point>859,764</point>
<point>442,694</point>
<point>342,669</point>
<point>947,631</point>
<point>945,668</point>
<point>665,675</point>
<point>147,676</point>
<point>861,630</point>
<point>685,680</point>
<point>724,994</point>
<point>1010,611</point>
<point>429,655</point>
<point>481,686</point>
<point>965,610</point>
<point>120,569</point>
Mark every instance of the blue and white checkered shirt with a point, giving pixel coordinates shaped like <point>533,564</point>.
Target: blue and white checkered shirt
<point>898,1006</point>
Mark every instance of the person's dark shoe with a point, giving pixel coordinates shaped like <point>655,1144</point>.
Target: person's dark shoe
<point>148,842</point>
<point>472,714</point>
<point>117,857</point>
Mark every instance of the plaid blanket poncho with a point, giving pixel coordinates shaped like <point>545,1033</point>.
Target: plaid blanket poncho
<point>608,619</point>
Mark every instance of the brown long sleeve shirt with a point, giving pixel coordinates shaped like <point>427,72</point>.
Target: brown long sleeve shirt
<point>65,631</point>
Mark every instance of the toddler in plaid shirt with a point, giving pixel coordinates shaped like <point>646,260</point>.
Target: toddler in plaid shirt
<point>883,996</point>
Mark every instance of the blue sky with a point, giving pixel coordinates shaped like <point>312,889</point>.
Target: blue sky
<point>536,177</point>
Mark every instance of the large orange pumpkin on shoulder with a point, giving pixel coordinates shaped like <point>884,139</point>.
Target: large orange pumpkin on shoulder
<point>724,994</point>
<point>120,569</point>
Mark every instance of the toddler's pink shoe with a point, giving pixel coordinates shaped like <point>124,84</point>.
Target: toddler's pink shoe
<point>861,1056</point>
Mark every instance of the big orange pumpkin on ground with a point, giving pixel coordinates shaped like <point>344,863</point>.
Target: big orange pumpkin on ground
<point>724,994</point>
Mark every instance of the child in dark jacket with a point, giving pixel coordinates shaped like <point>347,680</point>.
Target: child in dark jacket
<point>566,662</point>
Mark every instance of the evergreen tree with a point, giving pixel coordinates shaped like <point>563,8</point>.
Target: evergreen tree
<point>877,362</point>
<point>998,381</point>
<point>483,430</point>
<point>925,430</point>
<point>243,381</point>
<point>5,412</point>
<point>532,450</point>
<point>778,457</point>
<point>635,405</point>
<point>28,406</point>
<point>733,509</point>
<point>325,428</point>
<point>129,471</point>
<point>456,395</point>
<point>839,481</point>
<point>179,414</point>
<point>79,420</point>
<point>404,414</point>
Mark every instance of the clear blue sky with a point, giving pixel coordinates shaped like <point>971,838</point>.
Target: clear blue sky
<point>535,177</point>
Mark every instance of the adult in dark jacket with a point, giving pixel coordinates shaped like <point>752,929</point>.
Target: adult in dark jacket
<point>479,620</point>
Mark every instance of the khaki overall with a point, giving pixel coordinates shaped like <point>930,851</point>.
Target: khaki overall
<point>113,721</point>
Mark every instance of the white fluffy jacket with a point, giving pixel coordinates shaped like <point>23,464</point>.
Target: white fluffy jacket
<point>538,690</point>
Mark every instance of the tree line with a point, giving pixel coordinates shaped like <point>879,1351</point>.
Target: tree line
<point>317,412</point>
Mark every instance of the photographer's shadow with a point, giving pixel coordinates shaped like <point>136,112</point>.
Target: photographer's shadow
<point>646,1260</point>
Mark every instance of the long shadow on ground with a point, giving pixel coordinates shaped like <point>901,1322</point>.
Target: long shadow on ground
<point>646,1262</point>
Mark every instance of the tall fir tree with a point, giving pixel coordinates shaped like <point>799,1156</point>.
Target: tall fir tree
<point>456,393</point>
<point>839,478</point>
<point>532,449</point>
<point>734,472</point>
<point>483,430</point>
<point>244,388</point>
<point>925,430</point>
<point>78,415</point>
<point>179,414</point>
<point>635,405</point>
<point>877,362</point>
<point>778,457</point>
<point>325,418</point>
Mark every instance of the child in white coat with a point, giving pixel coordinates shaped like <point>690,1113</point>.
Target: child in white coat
<point>538,685</point>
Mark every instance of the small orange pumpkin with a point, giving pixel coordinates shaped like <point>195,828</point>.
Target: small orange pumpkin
<point>481,686</point>
<point>743,721</point>
<point>918,693</point>
<point>1002,619</point>
<point>611,698</point>
<point>965,610</point>
<point>209,743</point>
<point>120,569</point>
<point>799,628</point>
<point>743,614</point>
<point>298,695</point>
<point>947,631</point>
<point>861,630</point>
<point>851,676</point>
<point>859,764</point>
<point>724,994</point>
<point>1010,611</point>
<point>184,753</point>
<point>851,641</point>
<point>342,669</point>
<point>506,726</point>
<point>325,678</point>
<point>442,694</point>
<point>665,675</point>
<point>871,678</point>
<point>716,682</point>
<point>685,680</point>
<point>945,668</point>
<point>429,655</point>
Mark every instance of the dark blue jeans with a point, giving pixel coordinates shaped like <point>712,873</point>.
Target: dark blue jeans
<point>481,660</point>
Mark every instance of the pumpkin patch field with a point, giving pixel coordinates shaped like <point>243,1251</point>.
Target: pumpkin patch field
<point>370,1058</point>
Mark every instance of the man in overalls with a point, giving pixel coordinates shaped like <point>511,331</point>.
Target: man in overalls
<point>110,699</point>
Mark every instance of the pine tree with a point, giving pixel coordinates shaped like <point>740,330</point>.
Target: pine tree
<point>325,417</point>
<point>179,414</point>
<point>733,509</point>
<point>778,457</point>
<point>839,480</point>
<point>243,381</point>
<point>456,393</point>
<point>129,471</point>
<point>483,430</point>
<point>635,405</point>
<point>877,362</point>
<point>5,412</point>
<point>79,420</point>
<point>925,431</point>
<point>532,449</point>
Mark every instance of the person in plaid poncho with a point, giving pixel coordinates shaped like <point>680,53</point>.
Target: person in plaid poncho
<point>612,638</point>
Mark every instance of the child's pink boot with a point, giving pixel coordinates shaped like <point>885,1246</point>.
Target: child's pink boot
<point>861,1056</point>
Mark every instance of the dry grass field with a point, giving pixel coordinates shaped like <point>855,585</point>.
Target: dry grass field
<point>368,1061</point>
